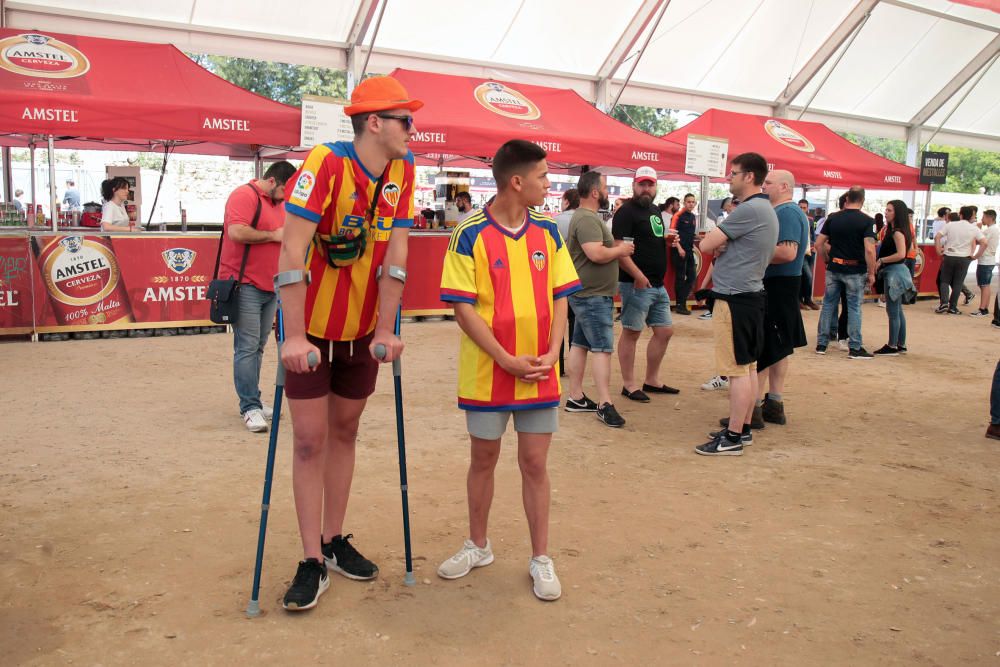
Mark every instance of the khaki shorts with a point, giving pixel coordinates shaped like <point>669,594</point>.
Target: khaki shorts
<point>491,425</point>
<point>725,357</point>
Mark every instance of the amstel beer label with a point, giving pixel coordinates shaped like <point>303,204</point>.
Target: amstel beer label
<point>37,55</point>
<point>506,101</point>
<point>786,136</point>
<point>83,280</point>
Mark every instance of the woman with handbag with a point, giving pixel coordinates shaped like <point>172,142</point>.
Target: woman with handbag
<point>892,273</point>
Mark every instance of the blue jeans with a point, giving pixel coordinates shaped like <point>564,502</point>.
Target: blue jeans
<point>644,307</point>
<point>852,284</point>
<point>250,333</point>
<point>897,321</point>
<point>594,329</point>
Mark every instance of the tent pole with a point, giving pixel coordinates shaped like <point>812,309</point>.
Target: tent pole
<point>703,205</point>
<point>927,212</point>
<point>8,178</point>
<point>975,83</point>
<point>638,57</point>
<point>371,46</point>
<point>857,31</point>
<point>258,166</point>
<point>31,153</point>
<point>52,183</point>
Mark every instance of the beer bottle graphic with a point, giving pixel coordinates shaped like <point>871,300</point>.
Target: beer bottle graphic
<point>83,280</point>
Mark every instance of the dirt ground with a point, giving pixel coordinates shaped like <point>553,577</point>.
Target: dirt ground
<point>863,532</point>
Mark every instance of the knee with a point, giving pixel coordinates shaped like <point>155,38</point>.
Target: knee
<point>308,447</point>
<point>533,468</point>
<point>344,434</point>
<point>664,333</point>
<point>483,460</point>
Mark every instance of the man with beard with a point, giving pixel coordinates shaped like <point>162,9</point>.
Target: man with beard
<point>595,254</point>
<point>463,202</point>
<point>640,282</point>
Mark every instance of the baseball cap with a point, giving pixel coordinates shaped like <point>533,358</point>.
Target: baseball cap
<point>645,174</point>
<point>380,93</point>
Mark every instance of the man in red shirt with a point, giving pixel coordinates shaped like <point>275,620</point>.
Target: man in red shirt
<point>251,243</point>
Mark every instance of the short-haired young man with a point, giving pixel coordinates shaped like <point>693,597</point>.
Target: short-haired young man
<point>349,215</point>
<point>507,271</point>
<point>259,241</point>
<point>746,240</point>
<point>848,240</point>
<point>987,261</point>
<point>595,256</point>
<point>685,223</point>
<point>959,243</point>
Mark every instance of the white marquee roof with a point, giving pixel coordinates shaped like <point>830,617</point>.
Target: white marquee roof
<point>895,68</point>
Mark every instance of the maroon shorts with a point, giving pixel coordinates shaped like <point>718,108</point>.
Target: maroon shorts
<point>348,375</point>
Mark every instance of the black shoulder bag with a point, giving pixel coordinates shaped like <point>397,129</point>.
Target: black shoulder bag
<point>223,295</point>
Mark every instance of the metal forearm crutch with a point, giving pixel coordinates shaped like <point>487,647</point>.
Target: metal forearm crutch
<point>253,609</point>
<point>397,382</point>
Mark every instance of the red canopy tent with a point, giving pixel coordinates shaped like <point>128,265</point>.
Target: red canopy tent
<point>128,93</point>
<point>814,153</point>
<point>473,117</point>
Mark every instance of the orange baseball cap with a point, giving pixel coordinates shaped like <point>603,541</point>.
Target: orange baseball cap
<point>379,93</point>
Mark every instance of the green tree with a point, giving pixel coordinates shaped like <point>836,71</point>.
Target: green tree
<point>647,119</point>
<point>894,149</point>
<point>281,82</point>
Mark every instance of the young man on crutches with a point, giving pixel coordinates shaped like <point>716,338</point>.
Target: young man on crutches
<point>348,214</point>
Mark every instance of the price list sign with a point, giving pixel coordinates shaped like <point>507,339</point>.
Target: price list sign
<point>706,156</point>
<point>323,119</point>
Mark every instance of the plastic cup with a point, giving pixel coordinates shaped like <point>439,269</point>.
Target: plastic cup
<point>629,240</point>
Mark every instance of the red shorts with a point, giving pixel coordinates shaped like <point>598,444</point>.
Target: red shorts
<point>347,375</point>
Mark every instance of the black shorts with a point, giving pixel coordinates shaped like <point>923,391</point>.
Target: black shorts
<point>783,330</point>
<point>347,374</point>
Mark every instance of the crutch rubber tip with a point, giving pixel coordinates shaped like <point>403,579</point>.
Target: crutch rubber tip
<point>253,609</point>
<point>312,360</point>
<point>380,351</point>
<point>409,579</point>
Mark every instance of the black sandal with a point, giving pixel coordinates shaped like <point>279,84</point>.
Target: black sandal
<point>636,395</point>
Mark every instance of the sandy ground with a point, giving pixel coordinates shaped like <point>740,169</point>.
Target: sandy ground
<point>864,532</point>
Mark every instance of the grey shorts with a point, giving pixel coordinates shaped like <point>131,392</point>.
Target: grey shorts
<point>491,425</point>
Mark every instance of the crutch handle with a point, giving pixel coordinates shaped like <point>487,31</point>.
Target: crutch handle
<point>380,351</point>
<point>312,360</point>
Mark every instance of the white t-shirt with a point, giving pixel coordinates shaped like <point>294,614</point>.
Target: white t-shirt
<point>959,238</point>
<point>113,214</point>
<point>939,224</point>
<point>992,234</point>
<point>562,222</point>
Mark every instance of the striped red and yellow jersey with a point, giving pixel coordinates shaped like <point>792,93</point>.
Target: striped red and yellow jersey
<point>334,190</point>
<point>512,278</point>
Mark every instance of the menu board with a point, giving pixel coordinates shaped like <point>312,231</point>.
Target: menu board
<point>323,119</point>
<point>706,156</point>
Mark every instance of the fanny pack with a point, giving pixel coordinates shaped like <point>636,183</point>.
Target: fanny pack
<point>340,250</point>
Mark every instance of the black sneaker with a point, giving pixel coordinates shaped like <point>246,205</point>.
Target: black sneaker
<point>860,353</point>
<point>821,349</point>
<point>995,324</point>
<point>342,557</point>
<point>954,311</point>
<point>583,405</point>
<point>607,414</point>
<point>720,446</point>
<point>943,308</point>
<point>311,581</point>
<point>980,313</point>
<point>901,349</point>
<point>887,351</point>
<point>745,438</point>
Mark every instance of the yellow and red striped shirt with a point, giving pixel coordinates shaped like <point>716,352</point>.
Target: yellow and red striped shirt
<point>512,278</point>
<point>334,190</point>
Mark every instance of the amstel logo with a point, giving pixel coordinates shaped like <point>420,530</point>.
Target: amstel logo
<point>786,136</point>
<point>32,54</point>
<point>918,264</point>
<point>505,101</point>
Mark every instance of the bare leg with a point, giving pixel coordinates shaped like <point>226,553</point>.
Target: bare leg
<point>532,453</point>
<point>655,351</point>
<point>344,416</point>
<point>309,448</point>
<point>762,381</point>
<point>778,372</point>
<point>479,486</point>
<point>576,367</point>
<point>602,376</point>
<point>742,392</point>
<point>626,357</point>
<point>984,297</point>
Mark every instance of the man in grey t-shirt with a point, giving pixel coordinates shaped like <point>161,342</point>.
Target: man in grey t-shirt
<point>595,257</point>
<point>746,240</point>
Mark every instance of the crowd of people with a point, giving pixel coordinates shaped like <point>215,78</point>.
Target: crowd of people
<point>336,247</point>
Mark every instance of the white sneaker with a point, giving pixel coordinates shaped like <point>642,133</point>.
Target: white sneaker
<point>268,411</point>
<point>469,557</point>
<point>254,419</point>
<point>718,382</point>
<point>842,344</point>
<point>880,303</point>
<point>707,315</point>
<point>543,574</point>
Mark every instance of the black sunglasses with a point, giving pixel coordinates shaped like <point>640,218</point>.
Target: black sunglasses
<point>406,120</point>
